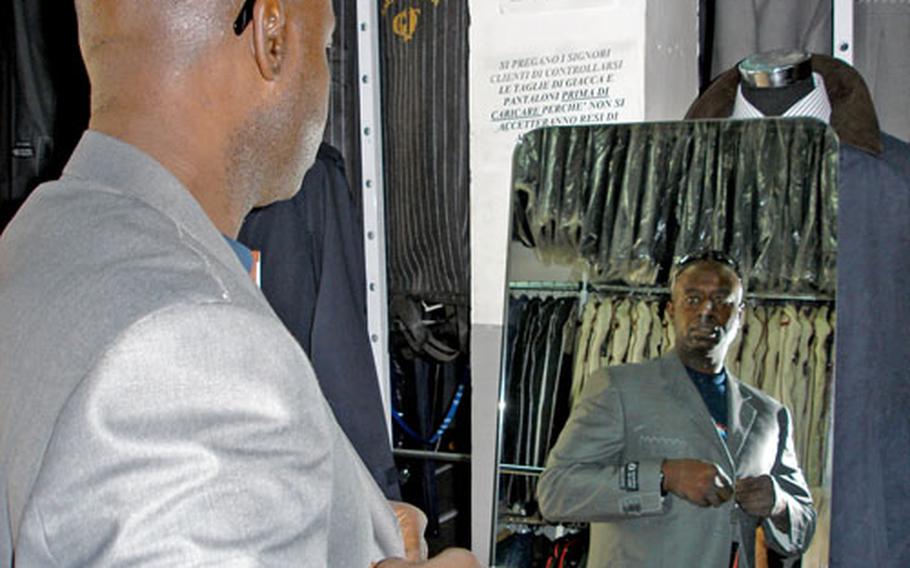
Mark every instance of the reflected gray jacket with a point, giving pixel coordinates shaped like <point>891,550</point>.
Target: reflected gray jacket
<point>605,469</point>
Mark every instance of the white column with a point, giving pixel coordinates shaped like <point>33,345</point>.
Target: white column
<point>843,30</point>
<point>373,195</point>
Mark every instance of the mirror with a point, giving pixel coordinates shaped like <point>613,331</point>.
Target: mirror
<point>600,216</point>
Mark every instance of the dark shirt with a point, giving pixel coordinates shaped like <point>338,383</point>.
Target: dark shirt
<point>713,390</point>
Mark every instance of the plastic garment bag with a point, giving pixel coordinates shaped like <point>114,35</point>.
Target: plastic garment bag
<point>629,199</point>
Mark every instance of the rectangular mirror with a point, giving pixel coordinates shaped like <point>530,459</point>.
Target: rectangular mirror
<point>601,215</point>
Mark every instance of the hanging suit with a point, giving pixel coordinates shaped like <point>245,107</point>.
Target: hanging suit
<point>313,275</point>
<point>586,328</point>
<point>641,327</point>
<point>621,334</point>
<point>733,360</point>
<point>44,103</point>
<point>598,349</point>
<point>805,389</point>
<point>821,388</point>
<point>655,340</point>
<point>560,402</point>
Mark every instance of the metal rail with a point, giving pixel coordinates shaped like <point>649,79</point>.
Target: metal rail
<point>431,455</point>
<point>557,286</point>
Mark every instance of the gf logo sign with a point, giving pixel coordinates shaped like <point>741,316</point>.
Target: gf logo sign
<point>404,24</point>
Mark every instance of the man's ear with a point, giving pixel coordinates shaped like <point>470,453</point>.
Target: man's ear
<point>669,308</point>
<point>270,36</point>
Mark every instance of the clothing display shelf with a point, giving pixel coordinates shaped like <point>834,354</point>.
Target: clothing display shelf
<point>577,287</point>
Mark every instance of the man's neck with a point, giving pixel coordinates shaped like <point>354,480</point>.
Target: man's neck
<point>707,375</point>
<point>195,159</point>
<point>701,362</point>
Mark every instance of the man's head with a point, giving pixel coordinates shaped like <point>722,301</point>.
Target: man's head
<point>706,305</point>
<point>290,40</point>
<point>240,114</point>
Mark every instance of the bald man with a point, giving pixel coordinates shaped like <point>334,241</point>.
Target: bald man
<point>153,409</point>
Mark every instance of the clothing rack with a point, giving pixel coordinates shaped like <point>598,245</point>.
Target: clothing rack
<point>575,287</point>
<point>516,469</point>
<point>431,455</point>
<point>536,520</point>
<point>524,520</point>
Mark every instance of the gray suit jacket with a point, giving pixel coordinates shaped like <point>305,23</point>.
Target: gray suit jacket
<point>649,412</point>
<point>153,409</point>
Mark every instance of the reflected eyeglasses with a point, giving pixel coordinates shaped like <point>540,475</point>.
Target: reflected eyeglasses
<point>708,255</point>
<point>244,17</point>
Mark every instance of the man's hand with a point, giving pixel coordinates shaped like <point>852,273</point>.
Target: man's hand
<point>698,482</point>
<point>757,497</point>
<point>413,523</point>
<point>449,558</point>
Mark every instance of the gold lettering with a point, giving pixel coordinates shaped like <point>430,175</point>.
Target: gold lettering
<point>405,23</point>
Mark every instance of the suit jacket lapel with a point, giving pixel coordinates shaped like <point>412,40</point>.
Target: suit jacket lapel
<point>101,158</point>
<point>741,413</point>
<point>682,391</point>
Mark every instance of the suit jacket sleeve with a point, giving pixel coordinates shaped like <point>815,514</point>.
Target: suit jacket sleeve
<point>586,478</point>
<point>202,440</point>
<point>790,485</point>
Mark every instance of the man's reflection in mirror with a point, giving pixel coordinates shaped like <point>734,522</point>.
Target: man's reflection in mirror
<point>674,461</point>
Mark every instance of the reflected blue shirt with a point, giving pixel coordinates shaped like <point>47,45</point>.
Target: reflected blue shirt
<point>713,390</point>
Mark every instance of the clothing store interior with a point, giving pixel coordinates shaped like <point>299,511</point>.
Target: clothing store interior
<point>482,266</point>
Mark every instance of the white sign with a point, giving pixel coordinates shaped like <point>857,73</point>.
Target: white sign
<point>563,88</point>
<point>539,63</point>
<point>540,6</point>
